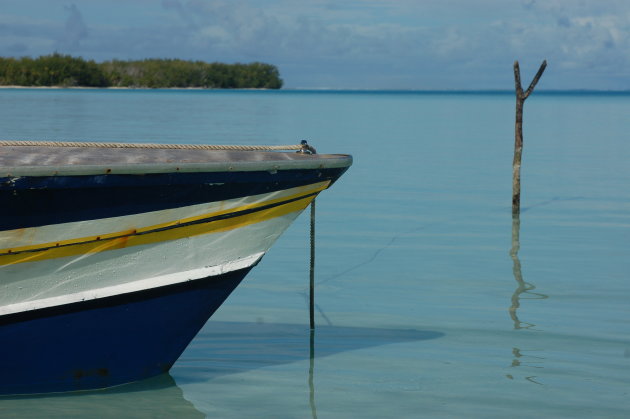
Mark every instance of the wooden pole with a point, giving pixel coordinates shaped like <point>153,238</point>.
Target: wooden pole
<point>518,135</point>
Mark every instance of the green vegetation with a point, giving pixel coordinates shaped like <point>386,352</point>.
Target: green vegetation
<point>67,71</point>
<point>51,70</point>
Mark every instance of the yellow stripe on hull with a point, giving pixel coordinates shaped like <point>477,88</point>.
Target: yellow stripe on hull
<point>162,232</point>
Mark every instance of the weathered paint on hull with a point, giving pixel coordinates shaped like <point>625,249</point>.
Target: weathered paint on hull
<point>109,341</point>
<point>107,274</point>
<point>140,250</point>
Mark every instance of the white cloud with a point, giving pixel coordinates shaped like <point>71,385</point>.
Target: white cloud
<point>428,44</point>
<point>75,28</point>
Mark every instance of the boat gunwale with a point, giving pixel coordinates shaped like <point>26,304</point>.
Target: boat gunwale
<point>316,161</point>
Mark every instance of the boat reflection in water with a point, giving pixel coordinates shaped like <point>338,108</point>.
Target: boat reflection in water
<point>156,397</point>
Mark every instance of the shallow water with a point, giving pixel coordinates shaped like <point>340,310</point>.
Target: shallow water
<point>427,305</point>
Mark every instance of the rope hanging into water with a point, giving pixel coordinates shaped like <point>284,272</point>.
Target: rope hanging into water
<point>312,270</point>
<point>304,147</point>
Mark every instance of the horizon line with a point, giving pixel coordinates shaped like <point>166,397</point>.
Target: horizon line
<point>337,89</point>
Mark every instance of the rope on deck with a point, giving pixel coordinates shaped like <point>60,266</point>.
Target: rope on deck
<point>12,143</point>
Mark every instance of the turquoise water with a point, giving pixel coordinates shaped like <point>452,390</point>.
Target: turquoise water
<point>422,310</point>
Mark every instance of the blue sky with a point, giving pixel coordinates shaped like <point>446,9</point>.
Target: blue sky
<point>356,44</point>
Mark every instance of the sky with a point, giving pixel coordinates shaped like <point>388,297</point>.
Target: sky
<point>345,44</point>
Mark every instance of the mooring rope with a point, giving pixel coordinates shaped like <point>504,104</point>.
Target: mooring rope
<point>312,270</point>
<point>20,143</point>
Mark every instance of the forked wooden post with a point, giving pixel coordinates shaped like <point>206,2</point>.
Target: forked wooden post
<point>518,137</point>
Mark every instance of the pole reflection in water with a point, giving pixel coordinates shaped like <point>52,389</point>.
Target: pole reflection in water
<point>522,288</point>
<point>311,370</point>
<point>527,362</point>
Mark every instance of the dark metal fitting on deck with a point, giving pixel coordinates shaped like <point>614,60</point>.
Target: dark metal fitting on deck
<point>306,149</point>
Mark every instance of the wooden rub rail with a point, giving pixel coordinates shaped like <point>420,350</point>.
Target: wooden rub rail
<point>14,143</point>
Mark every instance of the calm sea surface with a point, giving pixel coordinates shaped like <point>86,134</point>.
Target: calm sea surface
<point>431,302</point>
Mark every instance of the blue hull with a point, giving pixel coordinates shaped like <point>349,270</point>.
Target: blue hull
<point>106,342</point>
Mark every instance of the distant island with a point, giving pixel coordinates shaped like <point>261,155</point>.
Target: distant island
<point>66,71</point>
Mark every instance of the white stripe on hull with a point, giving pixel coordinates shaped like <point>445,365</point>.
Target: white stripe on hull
<point>125,288</point>
<point>58,277</point>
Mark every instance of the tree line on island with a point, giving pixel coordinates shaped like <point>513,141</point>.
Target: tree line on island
<point>67,71</point>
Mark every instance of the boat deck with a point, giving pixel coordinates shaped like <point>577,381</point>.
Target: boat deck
<point>49,160</point>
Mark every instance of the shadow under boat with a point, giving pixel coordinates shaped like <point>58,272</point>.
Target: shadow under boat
<point>223,348</point>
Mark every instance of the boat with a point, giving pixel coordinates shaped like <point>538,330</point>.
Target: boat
<point>113,256</point>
